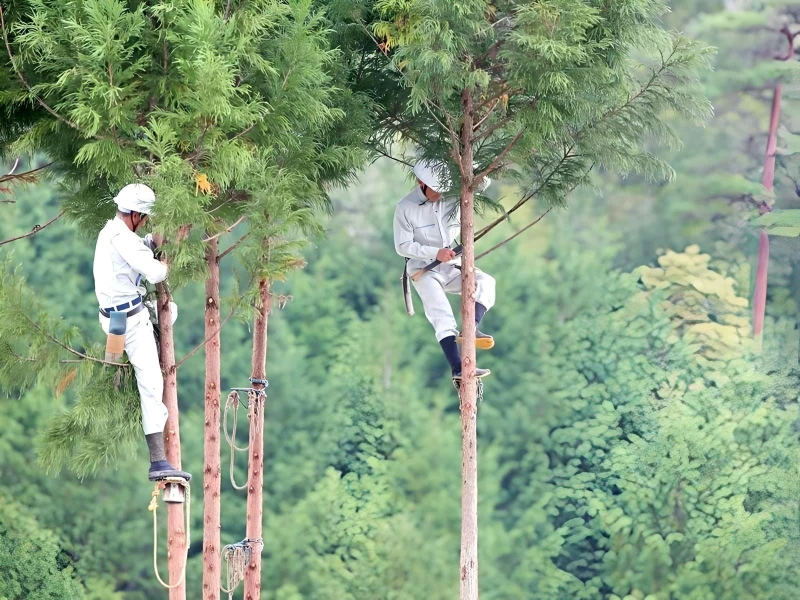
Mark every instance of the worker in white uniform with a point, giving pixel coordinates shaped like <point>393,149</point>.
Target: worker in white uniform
<point>425,225</point>
<point>121,259</point>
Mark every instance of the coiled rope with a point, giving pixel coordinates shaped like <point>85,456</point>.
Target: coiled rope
<point>152,507</point>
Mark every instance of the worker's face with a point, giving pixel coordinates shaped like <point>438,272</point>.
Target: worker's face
<point>429,193</point>
<point>138,220</point>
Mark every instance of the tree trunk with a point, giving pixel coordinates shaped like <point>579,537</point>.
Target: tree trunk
<point>468,387</point>
<point>212,471</point>
<point>176,525</point>
<point>767,180</point>
<point>255,485</point>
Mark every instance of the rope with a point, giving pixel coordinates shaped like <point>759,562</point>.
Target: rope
<point>152,508</point>
<point>254,402</point>
<point>233,400</point>
<point>237,557</point>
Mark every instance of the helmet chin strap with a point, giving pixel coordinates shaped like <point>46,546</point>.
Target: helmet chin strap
<point>136,226</point>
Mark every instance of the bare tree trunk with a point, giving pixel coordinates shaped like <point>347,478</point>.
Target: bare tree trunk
<point>252,578</point>
<point>468,387</point>
<point>212,471</point>
<point>767,180</point>
<point>176,525</point>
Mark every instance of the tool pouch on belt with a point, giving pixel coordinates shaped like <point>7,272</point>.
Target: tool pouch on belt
<point>407,291</point>
<point>115,342</point>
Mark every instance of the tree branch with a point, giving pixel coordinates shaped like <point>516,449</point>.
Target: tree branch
<point>497,162</point>
<point>427,102</point>
<point>33,231</point>
<point>790,37</point>
<point>208,339</point>
<point>228,230</point>
<point>567,155</point>
<point>402,162</point>
<point>21,176</point>
<point>232,247</point>
<point>24,81</point>
<point>70,350</point>
<point>486,116</point>
<point>485,134</point>
<point>504,242</point>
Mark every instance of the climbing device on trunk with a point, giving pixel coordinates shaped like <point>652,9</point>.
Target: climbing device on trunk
<point>237,557</point>
<point>176,491</point>
<point>478,391</point>
<point>255,403</point>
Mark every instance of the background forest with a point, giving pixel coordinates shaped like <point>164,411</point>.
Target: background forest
<point>634,441</point>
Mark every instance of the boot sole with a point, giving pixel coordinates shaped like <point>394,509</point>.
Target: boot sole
<point>480,343</point>
<point>488,372</point>
<point>162,475</point>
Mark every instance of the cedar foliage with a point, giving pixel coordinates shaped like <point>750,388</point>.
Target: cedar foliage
<point>232,113</point>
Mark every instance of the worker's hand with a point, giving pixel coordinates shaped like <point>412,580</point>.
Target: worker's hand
<point>158,240</point>
<point>445,254</point>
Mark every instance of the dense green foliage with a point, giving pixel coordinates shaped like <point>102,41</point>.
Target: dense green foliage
<point>632,445</point>
<point>234,114</point>
<point>619,455</point>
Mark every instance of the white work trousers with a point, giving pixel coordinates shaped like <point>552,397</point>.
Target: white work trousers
<point>433,288</point>
<point>140,346</point>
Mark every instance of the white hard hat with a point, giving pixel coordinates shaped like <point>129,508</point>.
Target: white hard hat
<point>135,197</point>
<point>435,175</point>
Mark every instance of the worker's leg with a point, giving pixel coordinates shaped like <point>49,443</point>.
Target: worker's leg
<point>439,313</point>
<point>437,308</point>
<point>140,346</point>
<point>484,300</point>
<point>484,295</point>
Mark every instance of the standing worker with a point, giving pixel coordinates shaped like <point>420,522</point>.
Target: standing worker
<point>121,259</point>
<point>425,225</point>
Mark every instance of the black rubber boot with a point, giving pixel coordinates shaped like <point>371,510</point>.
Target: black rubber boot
<point>480,310</point>
<point>159,467</point>
<point>450,349</point>
<point>483,341</point>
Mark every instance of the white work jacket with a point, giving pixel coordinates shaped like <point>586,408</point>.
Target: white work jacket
<point>422,228</point>
<point>121,259</point>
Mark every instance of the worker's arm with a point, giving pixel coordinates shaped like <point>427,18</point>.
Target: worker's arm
<point>404,243</point>
<point>140,258</point>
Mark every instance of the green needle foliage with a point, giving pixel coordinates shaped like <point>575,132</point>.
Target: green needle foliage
<point>37,349</point>
<point>551,89</point>
<point>232,112</point>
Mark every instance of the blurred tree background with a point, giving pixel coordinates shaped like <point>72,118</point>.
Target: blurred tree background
<point>634,443</point>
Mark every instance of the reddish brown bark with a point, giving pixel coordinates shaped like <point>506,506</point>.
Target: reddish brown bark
<point>176,525</point>
<point>468,387</point>
<point>212,472</point>
<point>767,180</point>
<point>255,484</point>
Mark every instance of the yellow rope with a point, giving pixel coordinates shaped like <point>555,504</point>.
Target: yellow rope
<point>152,507</point>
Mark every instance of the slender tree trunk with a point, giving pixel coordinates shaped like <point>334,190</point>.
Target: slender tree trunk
<point>255,485</point>
<point>767,180</point>
<point>468,388</point>
<point>176,525</point>
<point>212,471</point>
